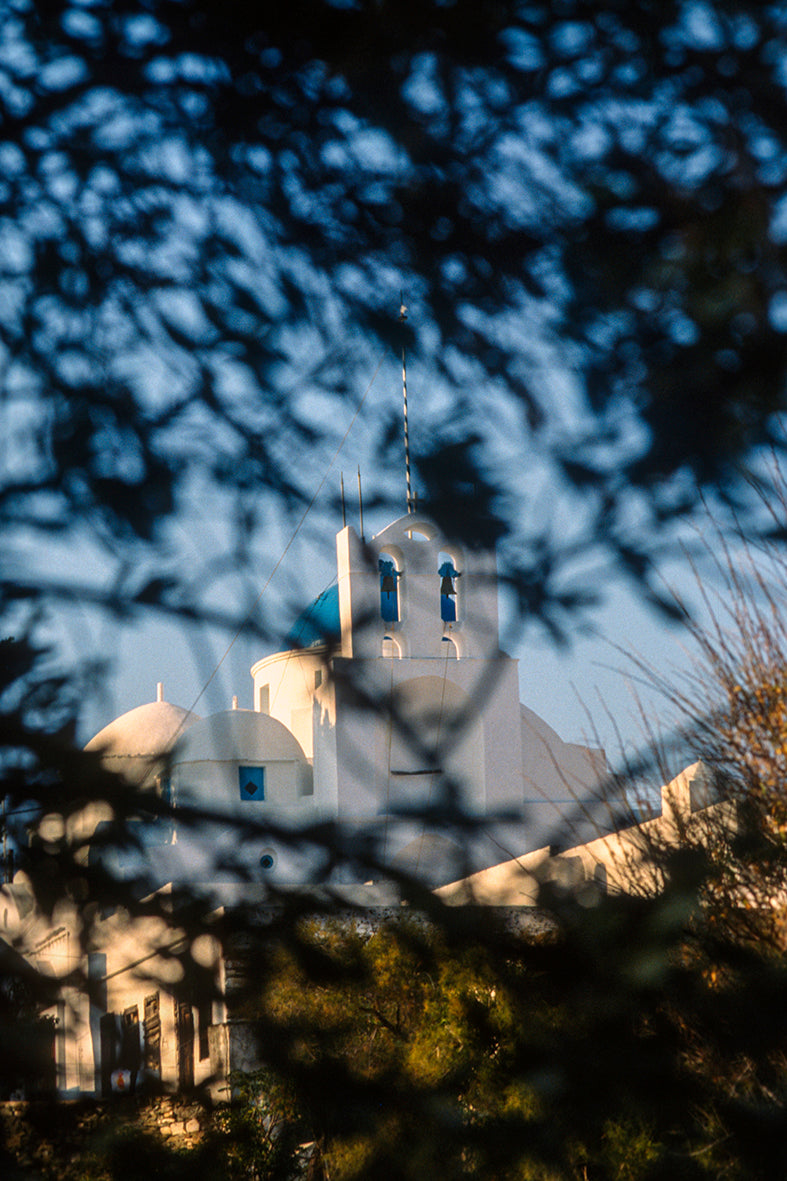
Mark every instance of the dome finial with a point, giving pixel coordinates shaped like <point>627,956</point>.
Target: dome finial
<point>159,690</point>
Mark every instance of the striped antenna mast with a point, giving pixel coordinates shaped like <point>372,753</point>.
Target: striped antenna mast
<point>402,318</point>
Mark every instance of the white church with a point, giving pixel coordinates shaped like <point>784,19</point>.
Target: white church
<point>395,689</point>
<point>395,715</point>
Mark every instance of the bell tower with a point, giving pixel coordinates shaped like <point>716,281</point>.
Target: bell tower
<point>411,591</point>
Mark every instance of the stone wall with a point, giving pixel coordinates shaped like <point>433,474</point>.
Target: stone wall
<point>80,1138</point>
<point>175,1118</point>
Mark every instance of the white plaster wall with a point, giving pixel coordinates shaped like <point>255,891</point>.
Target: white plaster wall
<point>291,681</point>
<point>618,862</point>
<point>326,760</point>
<point>484,759</point>
<point>561,783</point>
<point>213,784</point>
<point>369,745</point>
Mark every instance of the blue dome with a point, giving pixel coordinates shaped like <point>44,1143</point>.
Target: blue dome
<point>319,623</point>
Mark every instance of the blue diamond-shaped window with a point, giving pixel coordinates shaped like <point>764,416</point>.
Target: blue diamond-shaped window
<point>252,783</point>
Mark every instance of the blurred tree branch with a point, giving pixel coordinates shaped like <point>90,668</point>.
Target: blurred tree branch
<point>192,191</point>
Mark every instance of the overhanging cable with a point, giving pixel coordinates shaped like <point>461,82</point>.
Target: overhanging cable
<point>289,544</point>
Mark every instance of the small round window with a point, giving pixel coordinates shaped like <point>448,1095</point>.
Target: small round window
<point>267,860</point>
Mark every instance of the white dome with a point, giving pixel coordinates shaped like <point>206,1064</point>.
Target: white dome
<point>238,735</point>
<point>136,744</point>
<point>149,730</point>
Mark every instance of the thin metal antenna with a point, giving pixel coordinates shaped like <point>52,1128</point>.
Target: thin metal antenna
<point>360,502</point>
<point>402,318</point>
<point>344,511</point>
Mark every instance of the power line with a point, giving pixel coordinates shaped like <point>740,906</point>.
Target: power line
<point>289,544</point>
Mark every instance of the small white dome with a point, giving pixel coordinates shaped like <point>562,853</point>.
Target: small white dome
<point>238,735</point>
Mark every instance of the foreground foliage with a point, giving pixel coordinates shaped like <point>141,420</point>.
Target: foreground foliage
<point>636,1039</point>
<point>201,205</point>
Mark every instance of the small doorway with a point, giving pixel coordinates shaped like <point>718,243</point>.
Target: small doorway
<point>184,1028</point>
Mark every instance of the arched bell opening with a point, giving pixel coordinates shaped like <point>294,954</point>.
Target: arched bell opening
<point>448,649</point>
<point>389,587</point>
<point>390,648</point>
<point>448,575</point>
